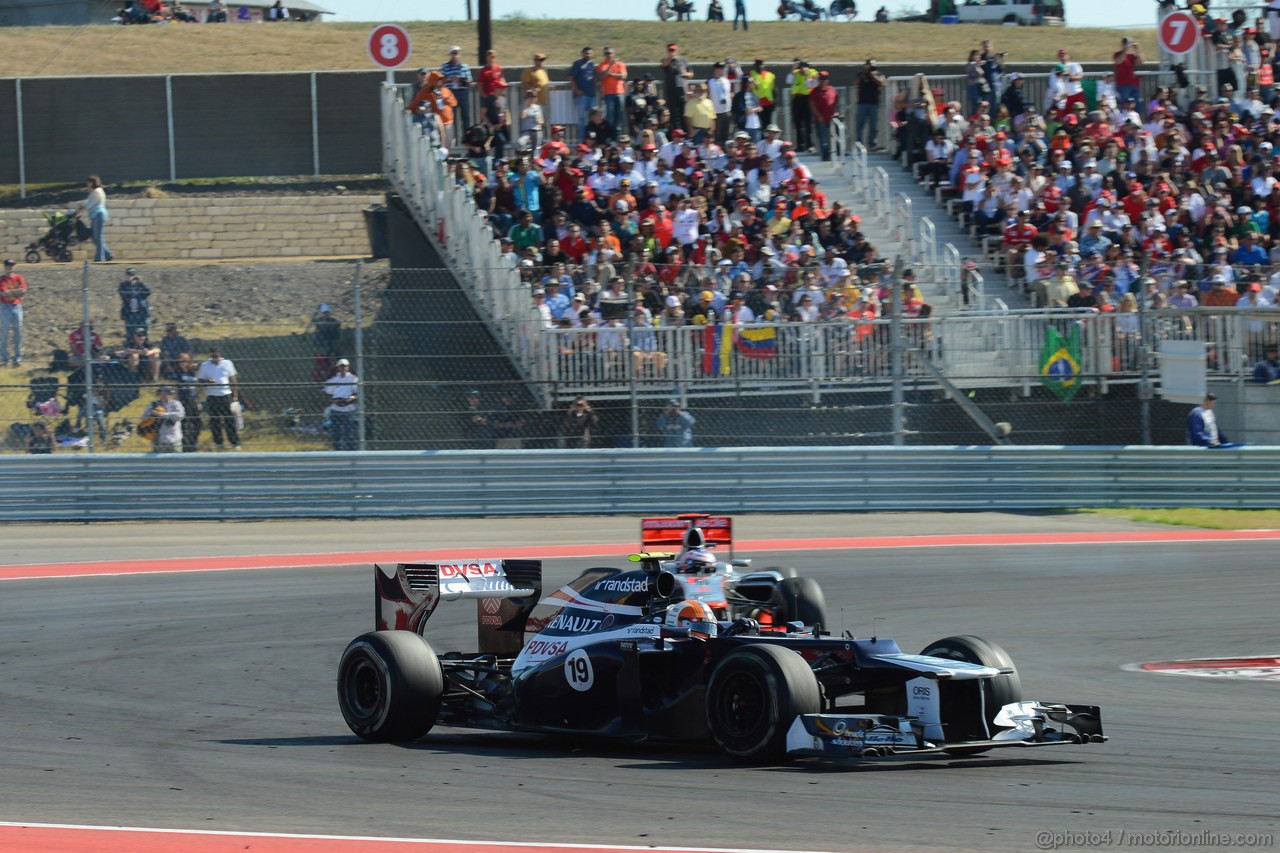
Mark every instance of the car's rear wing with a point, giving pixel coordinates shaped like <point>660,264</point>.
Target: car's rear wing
<point>666,533</point>
<point>505,591</point>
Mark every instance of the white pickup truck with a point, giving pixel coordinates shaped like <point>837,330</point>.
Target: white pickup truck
<point>1025,12</point>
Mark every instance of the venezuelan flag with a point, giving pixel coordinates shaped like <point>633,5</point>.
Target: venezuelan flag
<point>758,343</point>
<point>717,349</point>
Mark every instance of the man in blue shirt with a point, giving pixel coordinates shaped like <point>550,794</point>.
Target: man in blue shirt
<point>1250,253</point>
<point>457,77</point>
<point>582,77</point>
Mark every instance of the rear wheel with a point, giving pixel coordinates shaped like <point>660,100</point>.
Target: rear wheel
<point>995,692</point>
<point>755,694</point>
<point>64,255</point>
<point>32,256</point>
<point>799,600</point>
<point>389,686</point>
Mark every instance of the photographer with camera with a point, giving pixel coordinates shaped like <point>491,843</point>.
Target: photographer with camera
<point>993,70</point>
<point>1127,60</point>
<point>579,421</point>
<point>870,85</point>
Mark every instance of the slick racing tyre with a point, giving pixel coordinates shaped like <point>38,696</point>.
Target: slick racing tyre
<point>799,600</point>
<point>755,694</point>
<point>997,692</point>
<point>389,686</point>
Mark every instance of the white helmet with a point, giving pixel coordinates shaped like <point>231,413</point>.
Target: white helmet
<point>692,614</point>
<point>697,561</point>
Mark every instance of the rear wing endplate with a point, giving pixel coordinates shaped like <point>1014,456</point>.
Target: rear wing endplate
<point>505,591</point>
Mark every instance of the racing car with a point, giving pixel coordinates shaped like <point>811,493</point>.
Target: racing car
<point>681,647</point>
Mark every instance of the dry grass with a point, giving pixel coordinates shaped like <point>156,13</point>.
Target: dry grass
<point>70,51</point>
<point>1217,519</point>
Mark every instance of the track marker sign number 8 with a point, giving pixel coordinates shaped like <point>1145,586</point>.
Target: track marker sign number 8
<point>389,46</point>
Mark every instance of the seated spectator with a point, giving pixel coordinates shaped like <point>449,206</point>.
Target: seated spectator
<point>1268,369</point>
<point>140,356</point>
<point>215,12</point>
<point>78,353</point>
<point>135,301</point>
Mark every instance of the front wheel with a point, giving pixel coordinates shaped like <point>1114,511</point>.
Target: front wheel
<point>755,694</point>
<point>32,256</point>
<point>390,684</point>
<point>799,600</point>
<point>996,692</point>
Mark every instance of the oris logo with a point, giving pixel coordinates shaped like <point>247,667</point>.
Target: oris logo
<point>922,691</point>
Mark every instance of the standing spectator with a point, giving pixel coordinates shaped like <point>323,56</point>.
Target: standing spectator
<point>477,433</point>
<point>700,115</point>
<point>507,422</point>
<point>536,79</point>
<point>458,79</point>
<point>993,68</point>
<point>870,83</point>
<point>582,78</point>
<point>185,374</point>
<point>531,119</point>
<point>801,81</point>
<point>747,109</point>
<point>436,104</point>
<point>1070,74</point>
<point>215,12</point>
<point>612,76</point>
<point>219,377</point>
<point>343,389</point>
<point>675,426</point>
<point>976,86</point>
<point>765,83</point>
<point>13,288</point>
<point>824,102</point>
<point>135,302</point>
<point>1202,425</point>
<point>328,331</point>
<point>720,91</point>
<point>1127,60</point>
<point>96,206</point>
<point>578,423</point>
<point>740,11</point>
<point>676,74</point>
<point>168,414</point>
<point>493,85</point>
<point>278,12</point>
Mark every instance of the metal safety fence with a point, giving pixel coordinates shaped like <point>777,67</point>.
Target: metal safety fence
<point>444,362</point>
<point>595,482</point>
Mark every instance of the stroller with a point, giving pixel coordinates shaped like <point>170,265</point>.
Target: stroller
<point>65,230</point>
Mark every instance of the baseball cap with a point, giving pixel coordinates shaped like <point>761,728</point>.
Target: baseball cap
<point>706,295</point>
<point>342,362</point>
<point>8,262</point>
<point>165,389</point>
<point>454,49</point>
<point>673,302</point>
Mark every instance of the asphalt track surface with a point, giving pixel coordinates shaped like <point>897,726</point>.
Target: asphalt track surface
<point>206,701</point>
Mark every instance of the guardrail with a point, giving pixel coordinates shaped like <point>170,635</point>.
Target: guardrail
<point>525,483</point>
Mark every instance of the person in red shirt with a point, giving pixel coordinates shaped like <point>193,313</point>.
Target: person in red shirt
<point>13,288</point>
<point>1135,203</point>
<point>574,244</point>
<point>1017,237</point>
<point>75,344</point>
<point>554,149</point>
<point>1126,61</point>
<point>823,105</point>
<point>663,225</point>
<point>493,86</point>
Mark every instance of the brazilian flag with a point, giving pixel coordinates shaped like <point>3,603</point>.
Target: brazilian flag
<point>1060,362</point>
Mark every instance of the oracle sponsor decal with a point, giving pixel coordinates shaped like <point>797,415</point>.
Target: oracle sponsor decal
<point>1247,668</point>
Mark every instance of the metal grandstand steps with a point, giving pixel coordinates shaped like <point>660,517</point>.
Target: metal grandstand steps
<point>884,229</point>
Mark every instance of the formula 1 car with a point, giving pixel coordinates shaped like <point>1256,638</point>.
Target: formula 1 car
<point>684,650</point>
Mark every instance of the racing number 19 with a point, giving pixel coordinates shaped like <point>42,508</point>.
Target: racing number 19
<point>577,671</point>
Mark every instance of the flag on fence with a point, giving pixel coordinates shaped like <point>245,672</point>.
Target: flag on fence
<point>1060,362</point>
<point>717,349</point>
<point>758,343</point>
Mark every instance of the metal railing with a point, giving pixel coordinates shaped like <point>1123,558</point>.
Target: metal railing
<point>594,482</point>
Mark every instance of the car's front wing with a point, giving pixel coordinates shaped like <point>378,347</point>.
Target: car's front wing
<point>867,736</point>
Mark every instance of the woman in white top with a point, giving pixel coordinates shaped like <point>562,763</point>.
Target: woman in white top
<point>96,206</point>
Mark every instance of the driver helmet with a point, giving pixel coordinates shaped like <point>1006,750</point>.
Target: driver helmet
<point>697,561</point>
<point>692,614</point>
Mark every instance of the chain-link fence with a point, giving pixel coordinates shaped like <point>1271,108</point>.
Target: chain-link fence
<point>655,362</point>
